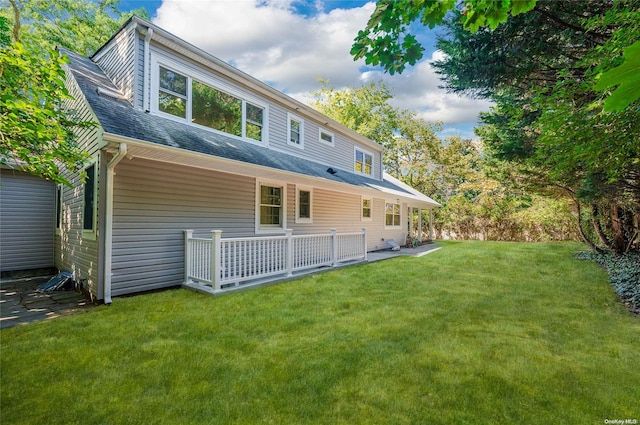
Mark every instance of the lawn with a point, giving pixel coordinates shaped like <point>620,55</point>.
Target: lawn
<point>475,333</point>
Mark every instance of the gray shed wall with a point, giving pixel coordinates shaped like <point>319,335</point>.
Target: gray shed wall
<point>27,221</point>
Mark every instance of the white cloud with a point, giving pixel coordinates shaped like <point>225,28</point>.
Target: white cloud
<point>270,41</point>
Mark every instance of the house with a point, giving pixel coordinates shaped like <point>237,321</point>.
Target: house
<point>187,144</point>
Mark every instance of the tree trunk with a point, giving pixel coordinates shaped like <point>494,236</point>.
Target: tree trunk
<point>598,227</point>
<point>617,226</point>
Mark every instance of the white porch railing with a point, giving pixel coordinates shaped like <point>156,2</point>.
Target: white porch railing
<point>227,263</point>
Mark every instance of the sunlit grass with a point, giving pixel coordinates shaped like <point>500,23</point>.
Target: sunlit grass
<point>477,333</point>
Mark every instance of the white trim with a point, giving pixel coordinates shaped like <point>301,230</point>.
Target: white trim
<point>259,229</point>
<point>108,227</point>
<point>357,149</point>
<point>59,210</point>
<point>329,133</point>
<point>362,217</point>
<point>291,117</point>
<point>91,233</point>
<point>304,220</point>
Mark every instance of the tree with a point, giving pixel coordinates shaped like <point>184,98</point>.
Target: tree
<point>540,69</point>
<point>388,41</point>
<point>452,171</point>
<point>36,133</point>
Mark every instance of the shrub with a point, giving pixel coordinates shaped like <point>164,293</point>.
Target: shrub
<point>624,271</point>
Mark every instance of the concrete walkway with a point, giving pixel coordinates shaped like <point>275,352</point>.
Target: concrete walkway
<point>21,304</point>
<point>418,251</point>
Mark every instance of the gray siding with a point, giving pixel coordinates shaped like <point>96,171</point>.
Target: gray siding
<point>342,211</point>
<point>118,62</point>
<point>27,221</point>
<point>75,250</point>
<point>154,203</point>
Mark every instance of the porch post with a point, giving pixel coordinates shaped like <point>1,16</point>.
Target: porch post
<point>216,246</point>
<point>364,242</point>
<point>334,248</point>
<point>188,234</point>
<point>420,225</point>
<point>431,224</point>
<point>289,233</point>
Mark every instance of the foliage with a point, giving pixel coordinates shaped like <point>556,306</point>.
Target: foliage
<point>386,40</point>
<point>497,333</point>
<point>547,118</point>
<point>78,25</point>
<point>624,271</point>
<point>627,79</point>
<point>453,171</point>
<point>36,134</point>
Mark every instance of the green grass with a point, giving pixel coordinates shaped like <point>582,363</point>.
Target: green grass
<point>475,333</point>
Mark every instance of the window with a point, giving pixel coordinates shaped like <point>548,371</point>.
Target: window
<point>364,162</point>
<point>271,207</point>
<point>215,109</point>
<point>295,131</point>
<point>366,209</point>
<point>58,208</point>
<point>326,137</point>
<point>304,198</point>
<point>392,214</point>
<point>199,102</point>
<point>89,209</point>
<point>172,93</point>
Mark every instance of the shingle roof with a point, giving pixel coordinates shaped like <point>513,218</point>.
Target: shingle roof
<point>119,117</point>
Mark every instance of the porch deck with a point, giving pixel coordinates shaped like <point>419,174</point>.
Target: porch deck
<point>373,256</point>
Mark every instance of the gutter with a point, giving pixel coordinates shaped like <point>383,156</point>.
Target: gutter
<point>108,231</point>
<point>145,82</point>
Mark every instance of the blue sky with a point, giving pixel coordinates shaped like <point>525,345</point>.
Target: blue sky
<point>290,44</point>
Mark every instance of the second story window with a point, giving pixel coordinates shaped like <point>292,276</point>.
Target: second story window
<point>201,103</point>
<point>172,93</point>
<point>363,162</point>
<point>295,131</point>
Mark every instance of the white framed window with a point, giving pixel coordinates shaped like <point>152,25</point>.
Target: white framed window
<point>326,137</point>
<point>304,204</point>
<point>89,205</point>
<point>363,162</point>
<point>187,95</point>
<point>270,207</point>
<point>366,210</point>
<point>59,198</point>
<point>295,131</point>
<point>392,214</point>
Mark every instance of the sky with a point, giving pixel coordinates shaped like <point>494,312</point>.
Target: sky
<point>291,44</point>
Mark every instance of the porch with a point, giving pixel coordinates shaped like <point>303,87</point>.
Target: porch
<point>218,265</point>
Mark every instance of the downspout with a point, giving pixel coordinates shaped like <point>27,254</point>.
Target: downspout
<point>108,228</point>
<point>145,63</point>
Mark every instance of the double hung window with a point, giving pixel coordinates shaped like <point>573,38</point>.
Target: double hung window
<point>366,209</point>
<point>304,199</point>
<point>392,214</point>
<point>271,207</point>
<point>295,131</point>
<point>363,162</point>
